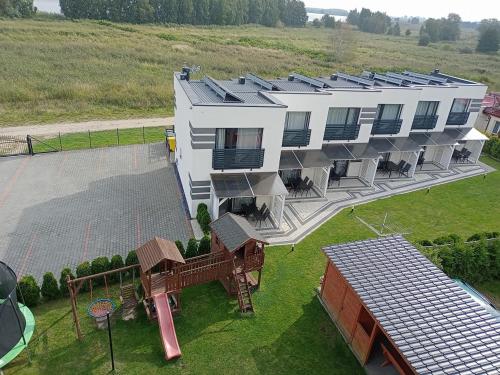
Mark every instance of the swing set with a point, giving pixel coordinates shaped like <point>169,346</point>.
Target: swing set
<point>99,308</point>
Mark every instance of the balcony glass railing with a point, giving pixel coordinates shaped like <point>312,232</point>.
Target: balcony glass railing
<point>386,126</point>
<point>424,122</point>
<point>296,138</point>
<point>341,132</point>
<point>457,118</point>
<point>237,158</point>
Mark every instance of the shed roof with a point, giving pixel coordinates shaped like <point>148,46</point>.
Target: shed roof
<point>234,231</point>
<point>157,250</point>
<point>434,323</point>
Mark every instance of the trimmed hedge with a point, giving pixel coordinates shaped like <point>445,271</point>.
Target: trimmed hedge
<point>203,217</point>
<point>492,146</point>
<point>131,258</point>
<point>116,262</point>
<point>180,246</point>
<point>192,248</point>
<point>204,245</point>
<point>84,269</point>
<point>63,282</point>
<point>29,290</point>
<point>50,289</point>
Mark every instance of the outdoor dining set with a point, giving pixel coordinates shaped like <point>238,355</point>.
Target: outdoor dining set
<point>402,168</point>
<point>251,210</point>
<point>300,186</point>
<point>461,156</point>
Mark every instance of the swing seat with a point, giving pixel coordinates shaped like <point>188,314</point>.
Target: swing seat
<point>98,309</point>
<point>129,301</point>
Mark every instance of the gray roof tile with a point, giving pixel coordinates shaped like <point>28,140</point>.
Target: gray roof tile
<point>234,231</point>
<point>435,324</point>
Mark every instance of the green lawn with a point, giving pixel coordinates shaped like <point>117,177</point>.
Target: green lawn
<point>105,138</point>
<point>290,333</point>
<point>60,70</point>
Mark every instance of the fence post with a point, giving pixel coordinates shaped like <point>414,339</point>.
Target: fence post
<point>90,140</point>
<point>30,145</point>
<point>143,137</point>
<point>60,141</point>
<point>118,136</point>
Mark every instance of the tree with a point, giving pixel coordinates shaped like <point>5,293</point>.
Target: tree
<point>424,40</point>
<point>50,289</point>
<point>29,290</point>
<point>316,22</point>
<point>201,12</point>
<point>294,14</point>
<point>63,284</point>
<point>186,12</point>
<point>204,246</point>
<point>408,32</point>
<point>489,36</point>
<point>192,248</point>
<point>353,17</point>
<point>16,8</point>
<point>396,30</point>
<point>328,21</point>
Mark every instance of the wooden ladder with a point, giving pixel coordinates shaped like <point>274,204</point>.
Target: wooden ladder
<point>129,301</point>
<point>244,297</point>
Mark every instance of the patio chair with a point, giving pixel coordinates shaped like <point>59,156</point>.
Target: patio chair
<point>335,177</point>
<point>263,217</point>
<point>464,157</point>
<point>306,180</point>
<point>404,171</point>
<point>308,187</point>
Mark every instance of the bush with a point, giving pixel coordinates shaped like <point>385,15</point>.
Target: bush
<point>408,32</point>
<point>50,289</point>
<point>131,258</point>
<point>63,285</point>
<point>205,222</point>
<point>447,240</point>
<point>424,40</point>
<point>465,50</point>
<point>204,246</point>
<point>83,270</point>
<point>180,246</point>
<point>116,262</point>
<point>29,291</point>
<point>201,207</point>
<point>425,243</point>
<point>192,248</point>
<point>492,147</point>
<point>99,265</point>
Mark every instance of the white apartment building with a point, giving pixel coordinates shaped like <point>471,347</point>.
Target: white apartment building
<point>246,145</point>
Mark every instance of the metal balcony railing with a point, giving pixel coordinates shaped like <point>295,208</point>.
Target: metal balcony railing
<point>422,122</point>
<point>457,118</point>
<point>296,138</point>
<point>341,132</point>
<point>237,158</point>
<point>386,126</point>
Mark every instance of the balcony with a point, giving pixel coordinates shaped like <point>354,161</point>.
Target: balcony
<point>237,158</point>
<point>386,126</point>
<point>424,122</point>
<point>341,132</point>
<point>296,138</point>
<point>457,118</point>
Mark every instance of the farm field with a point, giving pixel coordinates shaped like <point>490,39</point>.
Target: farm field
<point>55,70</point>
<point>290,333</point>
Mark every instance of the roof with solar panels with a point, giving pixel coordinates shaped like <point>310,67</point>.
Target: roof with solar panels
<point>252,90</point>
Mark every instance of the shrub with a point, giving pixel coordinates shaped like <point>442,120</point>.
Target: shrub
<point>63,281</point>
<point>201,207</point>
<point>180,246</point>
<point>50,289</point>
<point>100,264</point>
<point>465,50</point>
<point>424,40</point>
<point>447,240</point>
<point>131,258</point>
<point>29,290</point>
<point>408,32</point>
<point>492,147</point>
<point>204,246</point>
<point>192,248</point>
<point>116,262</point>
<point>83,270</point>
<point>205,222</point>
<point>425,243</point>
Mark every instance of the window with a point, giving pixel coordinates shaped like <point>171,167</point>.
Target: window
<point>389,111</point>
<point>460,105</point>
<point>427,108</point>
<point>343,116</point>
<point>230,138</point>
<point>297,120</point>
<point>496,128</point>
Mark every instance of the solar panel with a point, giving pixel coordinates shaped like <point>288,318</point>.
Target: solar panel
<point>261,82</point>
<point>408,78</point>
<point>311,81</point>
<point>384,78</point>
<point>225,94</point>
<point>425,76</point>
<point>361,81</point>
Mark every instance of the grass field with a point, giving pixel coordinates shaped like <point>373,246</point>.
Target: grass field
<point>55,70</point>
<point>290,333</point>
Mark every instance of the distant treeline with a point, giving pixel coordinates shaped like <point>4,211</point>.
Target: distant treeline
<point>16,8</point>
<point>442,28</point>
<point>196,12</point>
<point>370,22</point>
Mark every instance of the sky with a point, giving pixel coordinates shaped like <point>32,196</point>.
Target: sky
<point>469,10</point>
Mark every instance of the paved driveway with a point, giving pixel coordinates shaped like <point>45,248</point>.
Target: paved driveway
<point>57,210</point>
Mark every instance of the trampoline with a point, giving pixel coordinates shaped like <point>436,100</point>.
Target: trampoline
<point>16,320</point>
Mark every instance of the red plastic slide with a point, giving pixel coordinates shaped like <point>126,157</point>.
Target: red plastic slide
<point>167,329</point>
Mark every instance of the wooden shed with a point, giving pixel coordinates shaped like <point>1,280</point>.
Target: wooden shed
<point>398,311</point>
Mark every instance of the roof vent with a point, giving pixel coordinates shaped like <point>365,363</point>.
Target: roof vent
<point>186,70</point>
<point>241,80</point>
<point>436,71</point>
<point>334,77</point>
<point>291,77</point>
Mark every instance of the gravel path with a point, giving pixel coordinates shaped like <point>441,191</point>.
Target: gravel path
<point>74,127</point>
